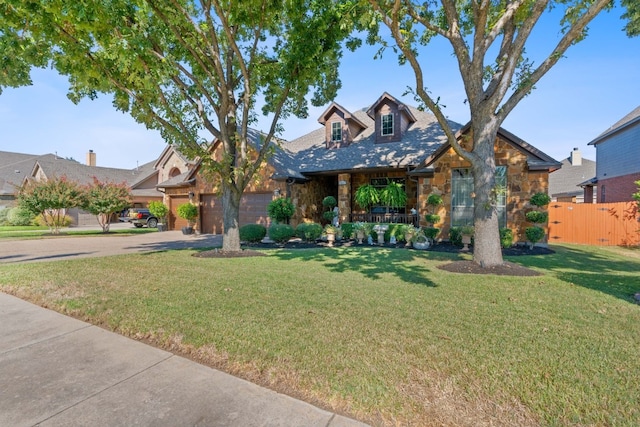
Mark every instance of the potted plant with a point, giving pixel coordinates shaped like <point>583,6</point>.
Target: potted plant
<point>366,196</point>
<point>409,232</point>
<point>160,211</point>
<point>538,216</point>
<point>466,231</point>
<point>329,203</point>
<point>420,240</point>
<point>360,231</point>
<point>281,210</point>
<point>330,230</point>
<point>189,212</point>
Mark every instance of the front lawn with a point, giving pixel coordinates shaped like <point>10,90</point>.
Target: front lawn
<point>381,334</point>
<point>36,232</point>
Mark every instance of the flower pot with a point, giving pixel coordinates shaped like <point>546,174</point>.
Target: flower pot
<point>360,236</point>
<point>331,237</point>
<point>407,238</point>
<point>466,241</point>
<point>187,230</point>
<point>422,245</point>
<point>160,227</point>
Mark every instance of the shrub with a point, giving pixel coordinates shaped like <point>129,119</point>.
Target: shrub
<point>328,215</point>
<point>455,236</point>
<point>309,231</point>
<point>431,232</point>
<point>537,217</point>
<point>347,230</point>
<point>159,210</point>
<point>20,216</point>
<point>534,234</point>
<point>281,210</point>
<point>187,211</point>
<point>434,200</point>
<point>281,233</point>
<point>252,233</point>
<point>540,199</point>
<point>432,218</point>
<point>506,237</point>
<point>329,202</point>
<point>55,221</point>
<point>3,216</point>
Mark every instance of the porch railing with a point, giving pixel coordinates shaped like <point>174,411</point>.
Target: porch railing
<point>395,218</point>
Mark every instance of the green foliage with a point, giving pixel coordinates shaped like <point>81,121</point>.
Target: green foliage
<point>540,199</point>
<point>3,216</point>
<point>187,211</point>
<point>159,210</point>
<point>102,199</point>
<point>195,71</point>
<point>19,216</point>
<point>347,229</point>
<point>329,202</point>
<point>431,232</point>
<point>432,218</point>
<point>309,231</point>
<point>252,233</point>
<point>328,215</point>
<point>537,217</point>
<point>434,200</point>
<point>281,233</point>
<point>506,237</point>
<point>636,196</point>
<point>281,209</point>
<point>633,16</point>
<point>455,236</point>
<point>366,196</point>
<point>534,234</point>
<point>393,195</point>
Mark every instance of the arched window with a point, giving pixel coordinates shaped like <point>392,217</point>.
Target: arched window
<point>174,172</point>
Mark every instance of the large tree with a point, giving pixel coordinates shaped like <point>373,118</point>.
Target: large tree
<point>193,69</point>
<point>489,39</point>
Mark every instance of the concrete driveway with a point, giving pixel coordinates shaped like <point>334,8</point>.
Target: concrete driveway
<point>58,248</point>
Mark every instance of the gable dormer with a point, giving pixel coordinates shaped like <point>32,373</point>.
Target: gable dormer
<point>341,127</point>
<point>392,118</point>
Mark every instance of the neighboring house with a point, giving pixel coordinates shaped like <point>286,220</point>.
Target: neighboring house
<point>387,141</point>
<point>14,168</point>
<point>565,183</point>
<point>617,160</point>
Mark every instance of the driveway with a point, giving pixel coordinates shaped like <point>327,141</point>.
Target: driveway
<point>57,248</point>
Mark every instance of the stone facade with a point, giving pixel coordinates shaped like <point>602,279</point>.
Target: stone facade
<point>521,185</point>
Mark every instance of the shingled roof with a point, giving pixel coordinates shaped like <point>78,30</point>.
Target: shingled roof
<point>628,120</point>
<point>309,155</point>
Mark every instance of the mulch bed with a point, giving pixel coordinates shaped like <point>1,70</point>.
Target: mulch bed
<point>468,267</point>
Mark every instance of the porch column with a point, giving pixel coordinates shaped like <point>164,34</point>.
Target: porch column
<point>344,196</point>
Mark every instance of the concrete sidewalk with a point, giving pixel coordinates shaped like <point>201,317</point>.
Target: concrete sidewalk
<point>59,371</point>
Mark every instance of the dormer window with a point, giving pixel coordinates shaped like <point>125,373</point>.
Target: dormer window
<point>387,124</point>
<point>336,132</point>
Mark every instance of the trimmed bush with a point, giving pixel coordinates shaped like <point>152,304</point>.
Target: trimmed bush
<point>281,233</point>
<point>252,233</point>
<point>309,231</point>
<point>506,238</point>
<point>159,210</point>
<point>281,209</point>
<point>20,216</point>
<point>187,211</point>
<point>534,234</point>
<point>455,236</point>
<point>540,199</point>
<point>537,217</point>
<point>432,218</point>
<point>431,232</point>
<point>329,202</point>
<point>347,230</point>
<point>3,216</point>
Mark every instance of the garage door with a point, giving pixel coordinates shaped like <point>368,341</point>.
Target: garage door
<point>176,223</point>
<point>253,210</point>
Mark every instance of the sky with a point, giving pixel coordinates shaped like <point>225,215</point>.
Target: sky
<point>595,85</point>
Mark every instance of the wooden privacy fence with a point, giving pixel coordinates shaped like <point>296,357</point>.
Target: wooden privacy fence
<point>601,224</point>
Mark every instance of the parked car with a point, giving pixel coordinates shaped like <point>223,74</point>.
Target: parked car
<point>141,217</point>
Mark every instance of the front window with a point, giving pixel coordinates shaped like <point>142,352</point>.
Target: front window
<point>336,131</point>
<point>462,200</point>
<point>387,124</point>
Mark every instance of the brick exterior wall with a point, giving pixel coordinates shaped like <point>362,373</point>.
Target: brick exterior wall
<point>618,189</point>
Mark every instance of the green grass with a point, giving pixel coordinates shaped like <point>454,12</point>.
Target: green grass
<point>34,232</point>
<point>382,334</point>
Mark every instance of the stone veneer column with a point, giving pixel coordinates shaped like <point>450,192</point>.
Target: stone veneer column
<point>344,196</point>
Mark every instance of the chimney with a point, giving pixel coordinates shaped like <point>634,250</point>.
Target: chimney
<point>576,157</point>
<point>91,158</point>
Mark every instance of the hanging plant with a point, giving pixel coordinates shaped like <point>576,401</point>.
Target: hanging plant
<point>366,196</point>
<point>393,195</point>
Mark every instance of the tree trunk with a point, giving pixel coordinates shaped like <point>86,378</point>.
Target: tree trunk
<point>486,248</point>
<point>230,217</point>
